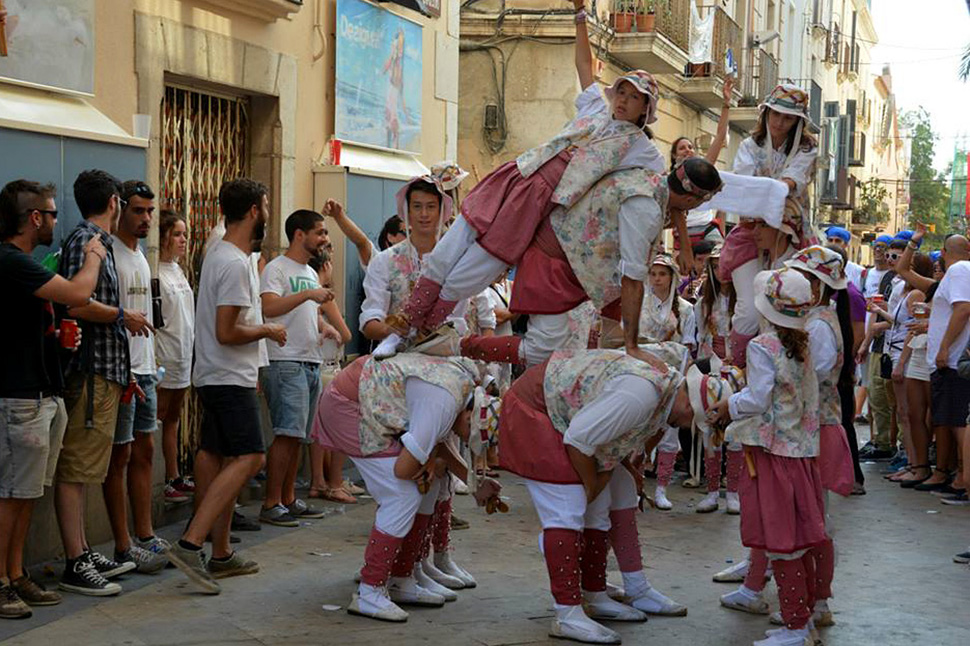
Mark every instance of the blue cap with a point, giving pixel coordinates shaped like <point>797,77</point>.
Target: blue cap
<point>905,236</point>
<point>884,239</point>
<point>838,232</point>
<point>935,256</point>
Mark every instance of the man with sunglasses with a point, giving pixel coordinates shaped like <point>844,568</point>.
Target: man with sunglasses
<point>97,375</point>
<point>32,414</point>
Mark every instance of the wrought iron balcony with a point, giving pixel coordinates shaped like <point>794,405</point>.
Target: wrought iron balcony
<point>702,84</point>
<point>652,35</point>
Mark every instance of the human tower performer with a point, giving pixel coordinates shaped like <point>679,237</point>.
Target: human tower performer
<point>577,216</point>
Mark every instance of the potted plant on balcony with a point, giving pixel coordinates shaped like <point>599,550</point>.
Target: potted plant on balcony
<point>622,17</point>
<point>646,15</point>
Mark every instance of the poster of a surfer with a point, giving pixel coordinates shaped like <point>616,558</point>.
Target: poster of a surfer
<point>394,68</point>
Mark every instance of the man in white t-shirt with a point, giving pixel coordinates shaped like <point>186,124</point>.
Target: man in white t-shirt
<point>134,440</point>
<point>946,342</point>
<point>842,237</point>
<point>225,376</point>
<point>291,296</point>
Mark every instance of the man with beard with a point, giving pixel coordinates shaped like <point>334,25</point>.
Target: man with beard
<point>291,296</point>
<point>226,373</point>
<point>134,445</point>
<point>32,413</point>
<point>97,374</point>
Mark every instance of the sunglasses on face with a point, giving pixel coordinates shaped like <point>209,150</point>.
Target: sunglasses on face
<point>893,255</point>
<point>53,213</point>
<point>141,190</point>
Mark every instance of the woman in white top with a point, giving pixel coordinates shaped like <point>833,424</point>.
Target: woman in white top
<point>173,346</point>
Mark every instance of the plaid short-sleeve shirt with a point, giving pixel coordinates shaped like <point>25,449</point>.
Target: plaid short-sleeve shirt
<point>104,346</point>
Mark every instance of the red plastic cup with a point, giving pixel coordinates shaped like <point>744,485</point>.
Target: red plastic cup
<point>335,147</point>
<point>69,331</point>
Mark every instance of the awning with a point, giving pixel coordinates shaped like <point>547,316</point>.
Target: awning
<point>362,160</point>
<point>59,114</point>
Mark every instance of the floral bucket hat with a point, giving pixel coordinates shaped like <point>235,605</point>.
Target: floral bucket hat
<point>784,297</point>
<point>790,99</point>
<point>645,84</point>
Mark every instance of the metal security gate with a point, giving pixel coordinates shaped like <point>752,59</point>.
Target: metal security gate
<point>205,142</point>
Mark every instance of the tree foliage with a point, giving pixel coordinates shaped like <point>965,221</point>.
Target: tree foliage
<point>872,207</point>
<point>929,192</point>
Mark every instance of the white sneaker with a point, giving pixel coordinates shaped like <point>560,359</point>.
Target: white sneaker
<point>707,504</point>
<point>431,585</point>
<point>406,590</point>
<point>746,600</point>
<point>572,623</point>
<point>786,637</point>
<point>660,499</point>
<point>733,503</point>
<point>448,581</point>
<point>374,602</point>
<point>444,562</point>
<point>654,602</point>
<point>600,606</point>
<point>388,347</point>
<point>734,573</point>
<point>460,487</point>
<point>822,617</point>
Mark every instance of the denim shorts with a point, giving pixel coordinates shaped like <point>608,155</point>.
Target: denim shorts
<point>31,432</point>
<point>138,416</point>
<point>291,389</point>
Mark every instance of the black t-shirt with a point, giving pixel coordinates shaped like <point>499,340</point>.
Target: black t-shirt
<point>31,364</point>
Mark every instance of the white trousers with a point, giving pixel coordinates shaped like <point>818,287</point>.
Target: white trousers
<point>623,489</point>
<point>671,440</point>
<point>564,506</point>
<point>460,265</point>
<point>546,334</point>
<point>397,500</point>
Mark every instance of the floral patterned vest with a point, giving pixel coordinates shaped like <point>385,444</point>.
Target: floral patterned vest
<point>830,405</point>
<point>383,408</point>
<point>790,426</point>
<point>589,232</point>
<point>574,379</point>
<point>406,269</point>
<point>594,155</point>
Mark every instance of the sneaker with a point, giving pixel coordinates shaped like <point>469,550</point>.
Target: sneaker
<point>733,503</point>
<point>234,565</point>
<point>660,499</point>
<point>11,605</point>
<point>106,567</point>
<point>459,523</point>
<point>461,488</point>
<point>279,516</point>
<point>958,500</point>
<point>707,504</point>
<point>787,637</point>
<point>154,544</point>
<point>241,523</point>
<point>174,496</point>
<point>302,511</point>
<point>374,602</point>
<point>192,564</point>
<point>875,453</point>
<point>733,573</point>
<point>82,577</point>
<point>407,591</point>
<point>353,489</point>
<point>962,557</point>
<point>185,484</point>
<point>33,593</point>
<point>746,600</point>
<point>145,562</point>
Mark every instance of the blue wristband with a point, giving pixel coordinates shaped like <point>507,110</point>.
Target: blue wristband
<point>121,314</point>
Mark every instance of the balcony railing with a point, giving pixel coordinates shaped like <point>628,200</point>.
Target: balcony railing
<point>857,149</point>
<point>670,18</point>
<point>760,78</point>
<point>727,34</point>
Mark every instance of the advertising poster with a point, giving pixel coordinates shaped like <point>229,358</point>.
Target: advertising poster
<point>378,94</point>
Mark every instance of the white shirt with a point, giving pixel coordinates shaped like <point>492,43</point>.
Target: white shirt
<point>953,289</point>
<point>173,343</point>
<point>438,411</point>
<point>853,271</point>
<point>755,397</point>
<point>377,295</point>
<point>626,402</point>
<point>871,285</point>
<point>800,170</point>
<point>283,277</point>
<point>227,279</point>
<point>134,287</point>
<point>498,297</point>
<point>823,346</point>
<point>483,310</point>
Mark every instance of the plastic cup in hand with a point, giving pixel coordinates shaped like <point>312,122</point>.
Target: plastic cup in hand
<point>69,332</point>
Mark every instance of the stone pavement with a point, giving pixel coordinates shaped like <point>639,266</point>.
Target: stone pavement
<point>895,583</point>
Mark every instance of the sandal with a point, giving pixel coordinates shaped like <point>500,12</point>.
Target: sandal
<point>896,476</point>
<point>336,494</point>
<point>934,486</point>
<point>909,483</point>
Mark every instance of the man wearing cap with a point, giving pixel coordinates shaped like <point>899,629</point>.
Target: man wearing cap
<point>568,426</point>
<point>842,237</point>
<point>878,280</point>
